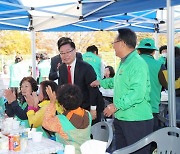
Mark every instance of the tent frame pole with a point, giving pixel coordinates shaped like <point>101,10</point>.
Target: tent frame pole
<point>156,39</point>
<point>171,65</point>
<point>33,48</point>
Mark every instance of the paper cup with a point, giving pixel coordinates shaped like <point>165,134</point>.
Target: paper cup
<point>30,131</point>
<point>16,125</point>
<point>69,149</point>
<point>37,136</point>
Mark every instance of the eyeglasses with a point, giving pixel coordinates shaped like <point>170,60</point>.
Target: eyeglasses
<point>115,42</point>
<point>65,53</point>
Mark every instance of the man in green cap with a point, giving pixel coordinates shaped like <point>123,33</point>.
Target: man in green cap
<point>147,49</point>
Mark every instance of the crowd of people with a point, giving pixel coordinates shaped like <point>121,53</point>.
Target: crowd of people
<point>85,89</point>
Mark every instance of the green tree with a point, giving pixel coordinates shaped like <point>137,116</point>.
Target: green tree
<point>103,40</point>
<point>15,42</point>
<point>141,35</point>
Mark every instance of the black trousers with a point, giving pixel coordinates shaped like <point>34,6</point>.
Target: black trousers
<point>129,132</point>
<point>156,122</point>
<point>100,108</point>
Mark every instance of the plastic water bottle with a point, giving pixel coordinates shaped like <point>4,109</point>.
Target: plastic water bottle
<point>1,117</point>
<point>23,136</point>
<point>1,112</point>
<point>24,142</point>
<point>23,131</point>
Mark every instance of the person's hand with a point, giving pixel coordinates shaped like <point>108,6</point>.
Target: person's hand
<point>36,99</point>
<point>95,83</point>
<point>109,110</point>
<point>9,95</point>
<point>93,114</point>
<point>51,94</point>
<point>32,100</point>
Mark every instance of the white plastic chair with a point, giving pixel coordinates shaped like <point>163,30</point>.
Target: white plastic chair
<point>167,139</point>
<point>102,131</point>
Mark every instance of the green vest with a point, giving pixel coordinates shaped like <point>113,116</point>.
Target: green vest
<point>94,61</point>
<point>14,79</point>
<point>17,72</point>
<point>162,60</point>
<point>76,137</point>
<point>44,69</point>
<point>2,103</point>
<point>23,106</point>
<point>155,93</point>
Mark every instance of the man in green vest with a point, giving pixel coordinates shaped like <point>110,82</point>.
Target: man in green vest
<point>44,67</point>
<point>91,57</point>
<point>147,49</point>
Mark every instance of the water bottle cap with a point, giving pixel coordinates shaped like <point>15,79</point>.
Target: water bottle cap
<point>23,123</point>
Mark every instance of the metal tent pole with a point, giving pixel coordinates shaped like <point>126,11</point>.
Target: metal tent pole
<point>171,65</point>
<point>33,48</point>
<point>156,39</point>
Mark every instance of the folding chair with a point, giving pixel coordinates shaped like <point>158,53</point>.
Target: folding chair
<point>167,139</point>
<point>102,131</point>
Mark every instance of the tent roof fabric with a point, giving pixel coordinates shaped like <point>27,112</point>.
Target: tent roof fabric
<point>85,15</point>
<point>13,16</point>
<point>138,21</point>
<point>122,6</point>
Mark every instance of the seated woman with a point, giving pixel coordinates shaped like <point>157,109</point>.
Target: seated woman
<point>73,126</point>
<point>18,105</point>
<point>109,72</point>
<point>108,93</point>
<point>36,111</point>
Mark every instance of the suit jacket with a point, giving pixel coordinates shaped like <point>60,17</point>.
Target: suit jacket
<point>84,74</point>
<point>54,63</point>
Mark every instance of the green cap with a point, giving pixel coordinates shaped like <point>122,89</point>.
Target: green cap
<point>147,43</point>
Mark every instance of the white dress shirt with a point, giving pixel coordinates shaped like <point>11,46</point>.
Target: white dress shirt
<point>72,70</point>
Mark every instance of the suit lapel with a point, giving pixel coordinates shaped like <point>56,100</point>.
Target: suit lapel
<point>76,72</point>
<point>63,74</point>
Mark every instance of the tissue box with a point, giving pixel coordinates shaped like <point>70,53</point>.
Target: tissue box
<point>93,146</point>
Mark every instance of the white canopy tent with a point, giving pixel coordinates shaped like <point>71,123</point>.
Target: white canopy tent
<point>162,15</point>
<point>52,14</point>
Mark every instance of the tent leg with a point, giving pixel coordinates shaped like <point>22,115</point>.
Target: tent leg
<point>156,55</point>
<point>33,48</point>
<point>171,64</point>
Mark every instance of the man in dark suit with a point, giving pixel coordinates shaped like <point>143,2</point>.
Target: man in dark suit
<point>82,74</point>
<point>56,61</point>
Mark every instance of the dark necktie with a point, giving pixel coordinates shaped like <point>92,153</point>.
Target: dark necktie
<point>69,75</point>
